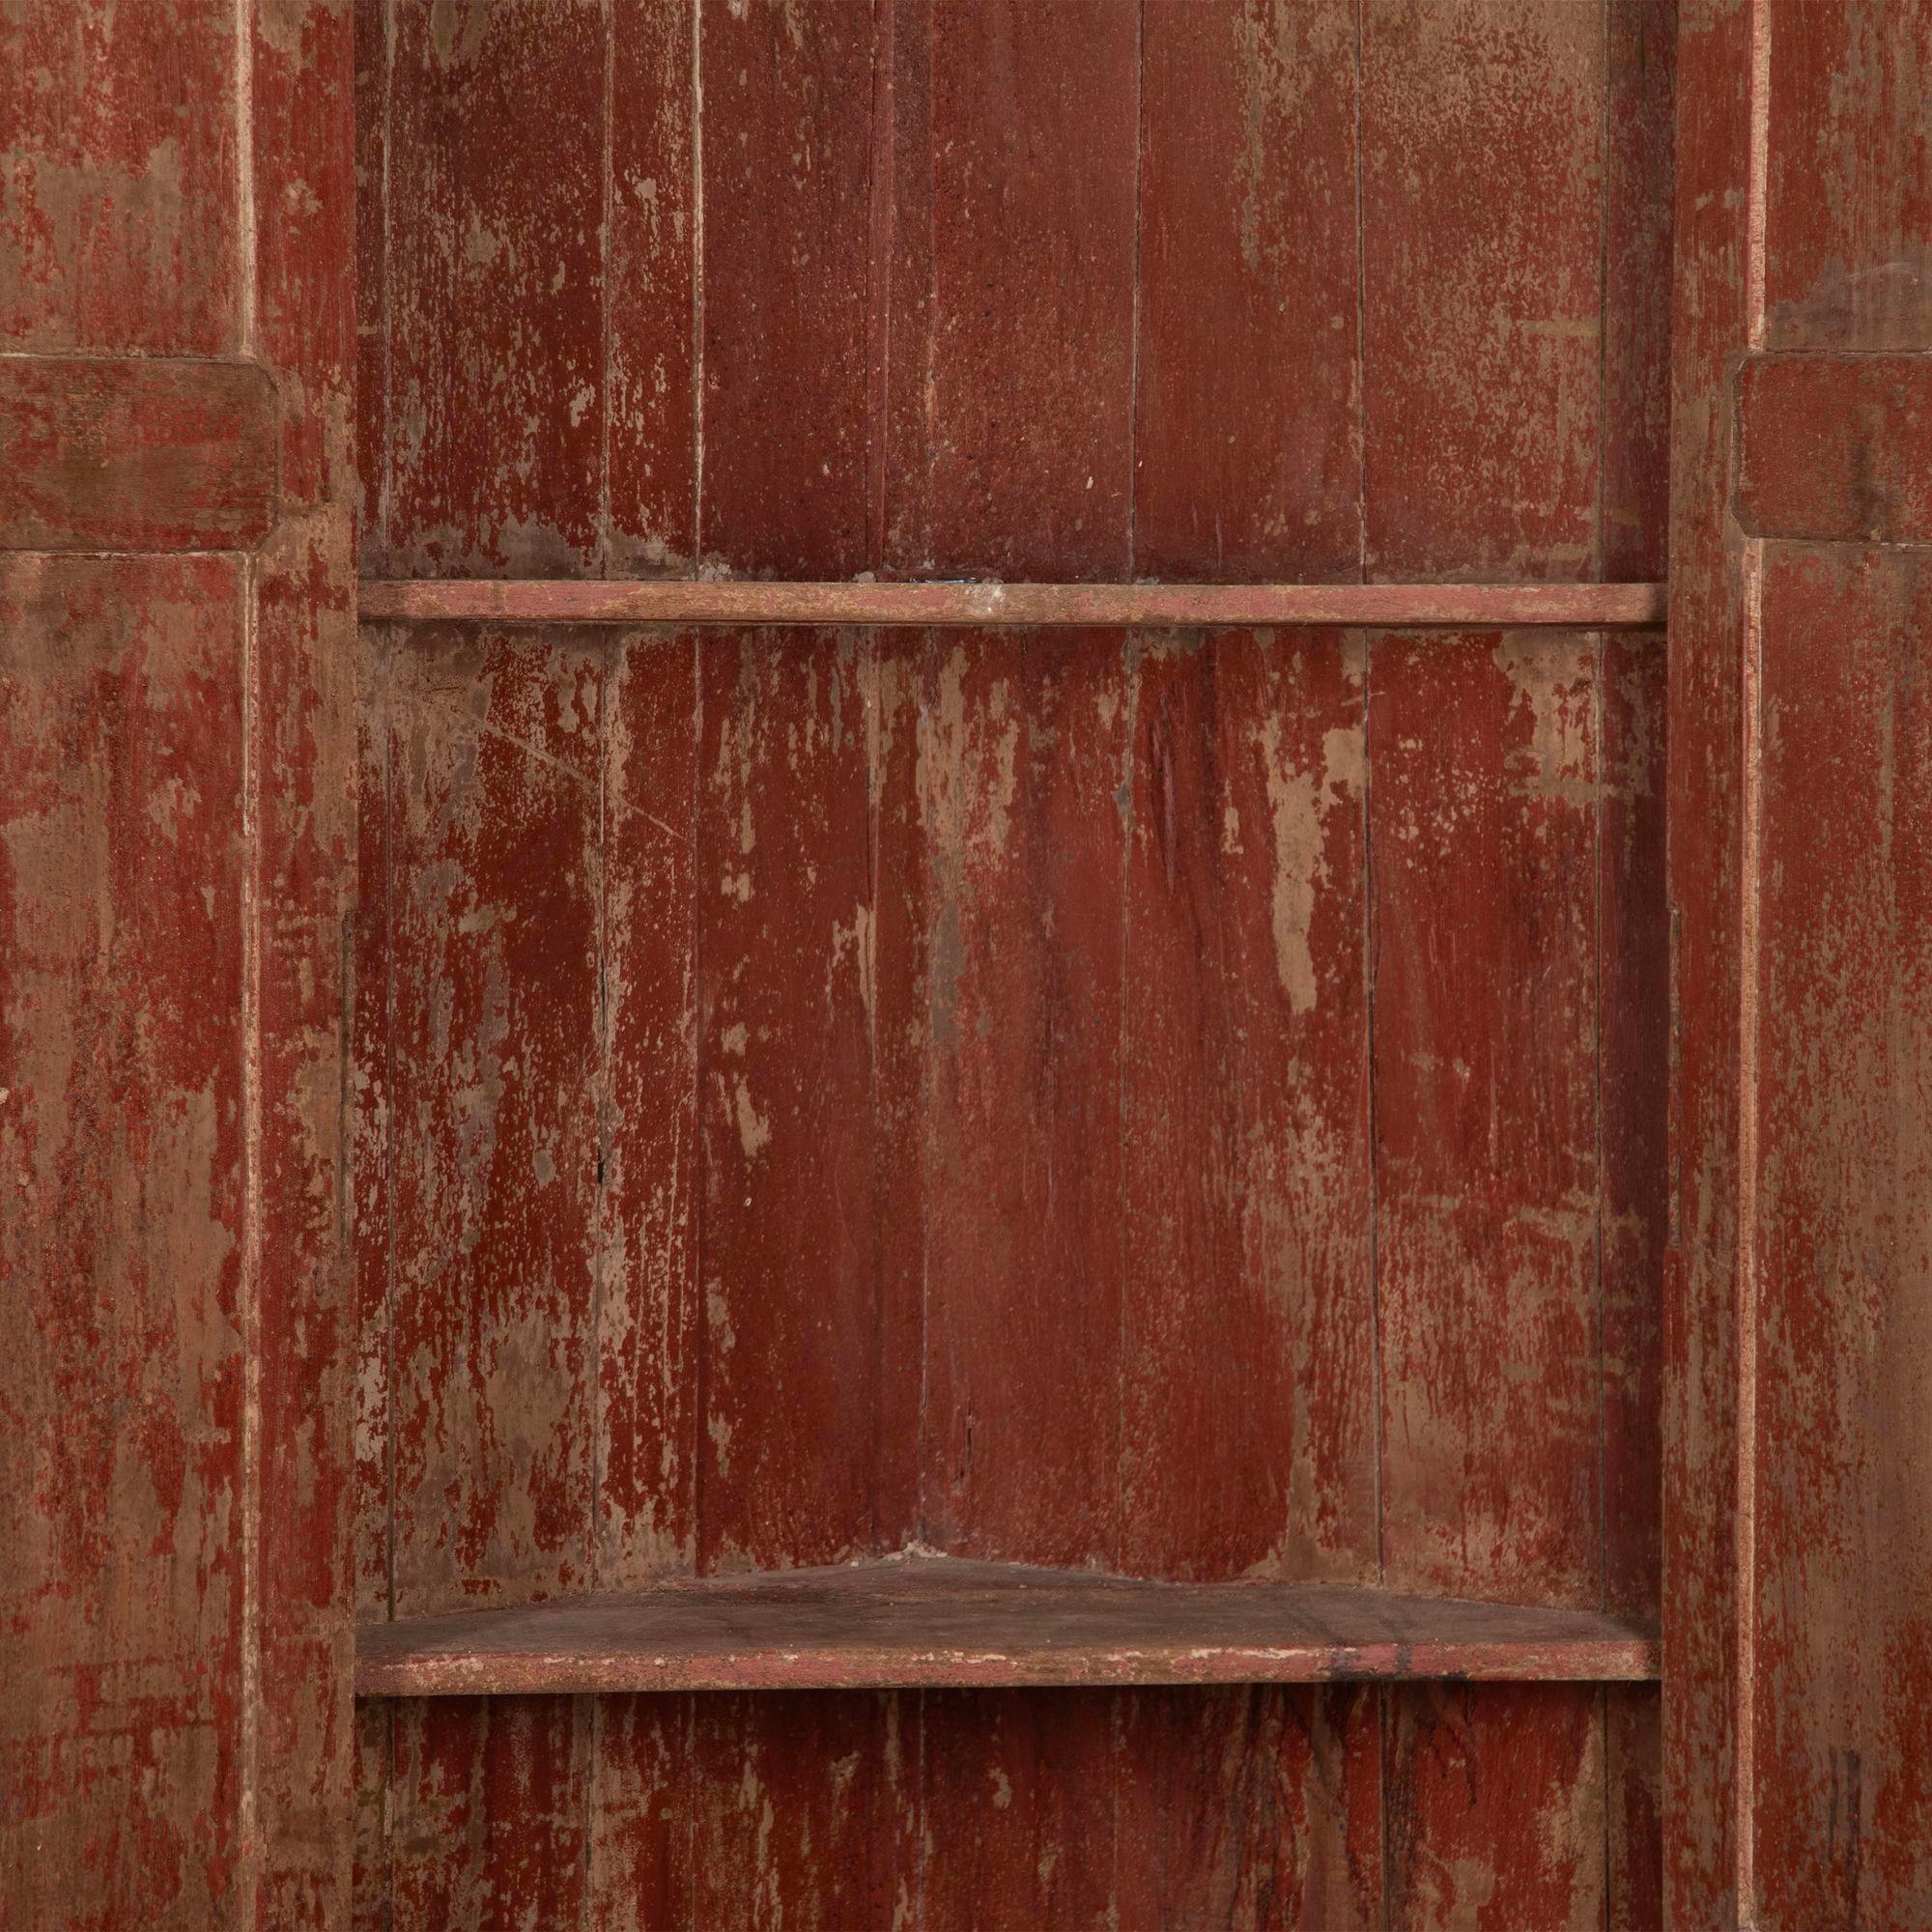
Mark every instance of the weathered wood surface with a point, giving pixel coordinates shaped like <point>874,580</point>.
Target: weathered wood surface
<point>125,453</point>
<point>1027,606</point>
<point>1102,872</point>
<point>175,1651</point>
<point>1796,1521</point>
<point>1835,449</point>
<point>947,1621</point>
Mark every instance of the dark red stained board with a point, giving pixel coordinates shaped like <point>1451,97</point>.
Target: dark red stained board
<point>492,291</point>
<point>1023,772</point>
<point>1245,1113</point>
<point>783,226</point>
<point>1837,448</point>
<point>948,1622</point>
<point>1248,376</point>
<point>1009,343</point>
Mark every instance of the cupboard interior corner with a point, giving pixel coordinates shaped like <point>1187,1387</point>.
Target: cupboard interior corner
<point>1164,1102</point>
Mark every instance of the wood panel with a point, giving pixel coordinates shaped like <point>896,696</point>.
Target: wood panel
<point>1250,312</point>
<point>1834,447</point>
<point>643,1504</point>
<point>493,1101</point>
<point>652,209</point>
<point>122,878</point>
<point>1022,770</point>
<point>1847,180</point>
<point>1482,247</point>
<point>785,217</point>
<point>110,452</point>
<point>1252,1807</point>
<point>794,1467</point>
<point>1244,1104</point>
<point>1495,1808</point>
<point>1483,827</point>
<point>121,225</point>
<point>1010,332</point>
<point>492,285</point>
<point>1843,1644</point>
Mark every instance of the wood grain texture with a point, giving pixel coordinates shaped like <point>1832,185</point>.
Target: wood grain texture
<point>1248,384</point>
<point>1833,448</point>
<point>1482,238</point>
<point>1485,993</point>
<point>120,228</point>
<point>992,961</point>
<point>1245,1113</point>
<point>645,1499</point>
<point>651,210</point>
<point>1495,1809</point>
<point>1015,234</point>
<point>1028,605</point>
<point>1848,179</point>
<point>944,1621</point>
<point>795,1466</point>
<point>128,453</point>
<point>1023,774</point>
<point>1711,327</point>
<point>493,1104</point>
<point>1843,1804</point>
<point>1255,1808</point>
<point>786,199</point>
<point>121,886</point>
<point>493,287</point>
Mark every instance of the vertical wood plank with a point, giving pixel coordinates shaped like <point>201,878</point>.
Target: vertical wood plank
<point>794,1466</point>
<point>1708,854</point>
<point>1848,208</point>
<point>785,212</point>
<point>805,1807</point>
<point>1634,1060</point>
<point>1016,458</point>
<point>1482,237</point>
<point>1485,757</point>
<point>1018,1810</point>
<point>1496,1808</point>
<point>119,223</point>
<point>1249,1430</point>
<point>1257,1808</point>
<point>1842,1797</point>
<point>488,1814</point>
<point>493,1105</point>
<point>639,1873</point>
<point>122,888</point>
<point>651,210</point>
<point>1640,104</point>
<point>373,430</point>
<point>1022,779</point>
<point>494,286</point>
<point>1247,458</point>
<point>371,1138</point>
<point>1633,1772</point>
<point>644,1501</point>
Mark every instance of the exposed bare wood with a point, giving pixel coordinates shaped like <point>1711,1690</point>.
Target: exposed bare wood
<point>682,601</point>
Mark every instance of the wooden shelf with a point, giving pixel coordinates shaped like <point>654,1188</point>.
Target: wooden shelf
<point>925,1620</point>
<point>1585,607</point>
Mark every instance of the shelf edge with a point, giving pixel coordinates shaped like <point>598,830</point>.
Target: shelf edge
<point>690,601</point>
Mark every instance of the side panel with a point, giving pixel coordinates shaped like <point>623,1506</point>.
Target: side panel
<point>176,863</point>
